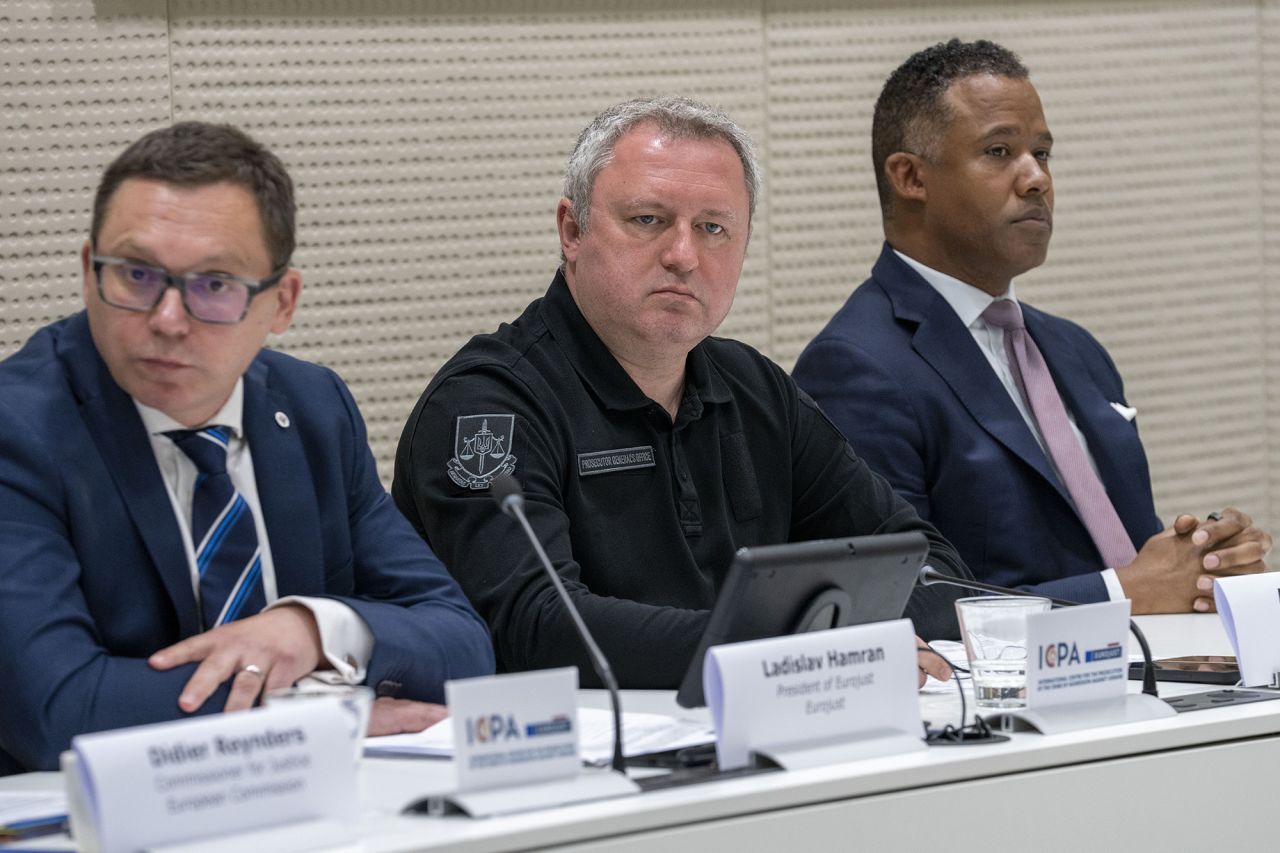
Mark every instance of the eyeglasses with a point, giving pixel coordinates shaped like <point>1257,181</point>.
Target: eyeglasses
<point>207,297</point>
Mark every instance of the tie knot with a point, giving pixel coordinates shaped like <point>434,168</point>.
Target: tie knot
<point>207,447</point>
<point>1004,313</point>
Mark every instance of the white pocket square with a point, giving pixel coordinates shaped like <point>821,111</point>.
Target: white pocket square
<point>1126,412</point>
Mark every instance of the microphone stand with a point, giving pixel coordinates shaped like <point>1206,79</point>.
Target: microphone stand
<point>929,577</point>
<point>507,491</point>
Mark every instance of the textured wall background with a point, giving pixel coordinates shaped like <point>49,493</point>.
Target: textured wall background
<point>427,140</point>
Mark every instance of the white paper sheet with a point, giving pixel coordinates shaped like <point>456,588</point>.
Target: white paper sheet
<point>952,650</point>
<point>1249,606</point>
<point>641,734</point>
<point>19,806</point>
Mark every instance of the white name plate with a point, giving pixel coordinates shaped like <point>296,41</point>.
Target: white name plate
<point>210,776</point>
<point>820,688</point>
<point>1077,654</point>
<point>1249,606</point>
<point>515,729</point>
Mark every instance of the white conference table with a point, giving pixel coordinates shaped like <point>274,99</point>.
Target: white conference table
<point>1199,779</point>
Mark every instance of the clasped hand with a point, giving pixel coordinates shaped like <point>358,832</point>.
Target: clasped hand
<point>1175,570</point>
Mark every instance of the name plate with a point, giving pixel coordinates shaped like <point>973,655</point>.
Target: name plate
<point>814,688</point>
<point>211,776</point>
<point>1249,606</point>
<point>1077,654</point>
<point>515,729</point>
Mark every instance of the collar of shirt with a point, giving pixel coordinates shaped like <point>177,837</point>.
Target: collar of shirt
<point>230,415</point>
<point>601,371</point>
<point>346,640</point>
<point>969,302</point>
<point>178,471</point>
<point>179,475</point>
<point>966,300</point>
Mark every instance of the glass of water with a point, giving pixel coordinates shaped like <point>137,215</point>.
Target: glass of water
<point>995,637</point>
<point>356,701</point>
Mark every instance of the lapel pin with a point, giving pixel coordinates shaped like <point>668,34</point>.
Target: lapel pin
<point>282,420</point>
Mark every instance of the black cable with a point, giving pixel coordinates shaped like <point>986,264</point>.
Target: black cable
<point>975,732</point>
<point>947,732</point>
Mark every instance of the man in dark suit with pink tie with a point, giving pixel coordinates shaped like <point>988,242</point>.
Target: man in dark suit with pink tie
<point>1006,427</point>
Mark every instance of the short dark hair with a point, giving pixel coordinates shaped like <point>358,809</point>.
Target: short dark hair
<point>911,111</point>
<point>195,154</point>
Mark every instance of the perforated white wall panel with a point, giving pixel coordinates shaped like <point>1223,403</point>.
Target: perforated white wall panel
<point>1157,246</point>
<point>427,140</point>
<point>1270,315</point>
<point>428,150</point>
<point>75,88</point>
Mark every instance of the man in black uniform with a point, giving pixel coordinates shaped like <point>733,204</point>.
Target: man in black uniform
<point>649,452</point>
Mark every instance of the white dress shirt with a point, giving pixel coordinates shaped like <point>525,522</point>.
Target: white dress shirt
<point>346,640</point>
<point>969,302</point>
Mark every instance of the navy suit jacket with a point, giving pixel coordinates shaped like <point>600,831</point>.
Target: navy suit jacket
<point>93,576</point>
<point>904,380</point>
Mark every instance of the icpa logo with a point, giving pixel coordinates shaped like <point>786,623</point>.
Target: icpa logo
<point>491,729</point>
<point>1058,654</point>
<point>1065,654</point>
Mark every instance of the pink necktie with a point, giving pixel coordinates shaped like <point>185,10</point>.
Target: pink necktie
<point>1034,380</point>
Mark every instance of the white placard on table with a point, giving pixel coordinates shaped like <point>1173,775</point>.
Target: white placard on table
<point>1078,654</point>
<point>821,688</point>
<point>213,776</point>
<point>515,729</point>
<point>1249,606</point>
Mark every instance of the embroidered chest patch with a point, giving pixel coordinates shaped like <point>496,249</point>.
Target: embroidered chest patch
<point>621,459</point>
<point>482,449</point>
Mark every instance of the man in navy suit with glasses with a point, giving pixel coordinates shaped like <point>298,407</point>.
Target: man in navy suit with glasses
<point>188,520</point>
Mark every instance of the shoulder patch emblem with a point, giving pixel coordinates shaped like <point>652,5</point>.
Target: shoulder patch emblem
<point>482,449</point>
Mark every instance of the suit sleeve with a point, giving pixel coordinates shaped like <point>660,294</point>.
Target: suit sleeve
<point>60,679</point>
<point>1087,588</point>
<point>648,646</point>
<point>425,631</point>
<point>837,494</point>
<point>872,412</point>
<point>881,423</point>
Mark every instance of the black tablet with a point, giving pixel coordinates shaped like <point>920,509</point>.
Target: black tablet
<point>774,590</point>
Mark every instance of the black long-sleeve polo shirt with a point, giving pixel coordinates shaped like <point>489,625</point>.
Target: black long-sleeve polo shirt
<point>640,515</point>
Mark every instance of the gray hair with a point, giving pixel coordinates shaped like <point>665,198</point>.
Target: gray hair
<point>679,118</point>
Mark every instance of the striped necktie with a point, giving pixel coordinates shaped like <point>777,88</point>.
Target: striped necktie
<point>228,558</point>
<point>1036,383</point>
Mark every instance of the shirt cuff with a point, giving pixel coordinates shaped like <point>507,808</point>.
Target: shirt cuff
<point>1115,591</point>
<point>345,639</point>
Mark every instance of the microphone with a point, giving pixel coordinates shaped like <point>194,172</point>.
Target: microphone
<point>509,496</point>
<point>928,577</point>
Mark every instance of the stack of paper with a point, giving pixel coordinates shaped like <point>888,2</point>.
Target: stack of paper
<point>27,814</point>
<point>641,734</point>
